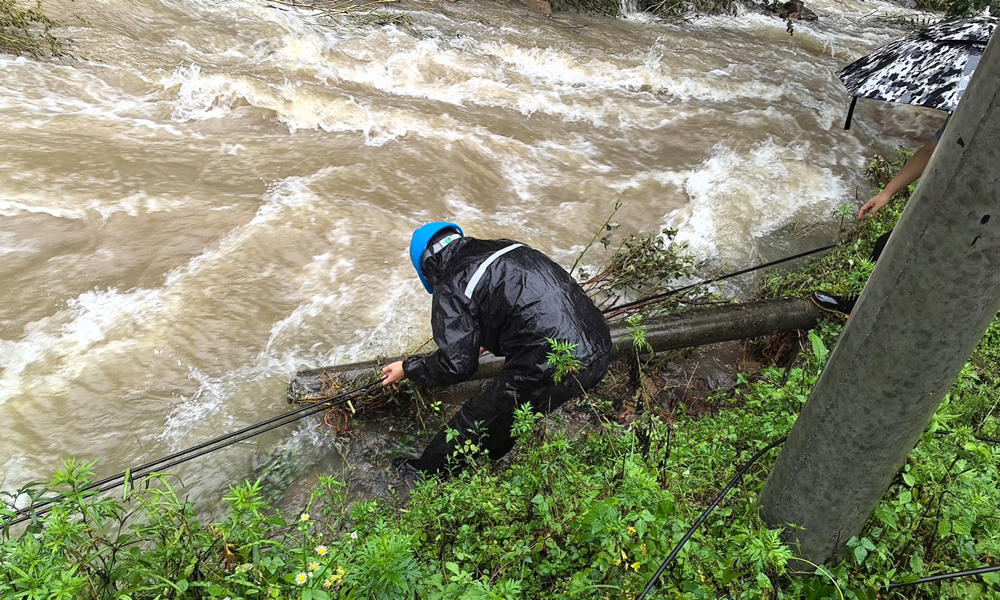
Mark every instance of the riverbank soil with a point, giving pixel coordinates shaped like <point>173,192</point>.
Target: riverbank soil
<point>671,386</point>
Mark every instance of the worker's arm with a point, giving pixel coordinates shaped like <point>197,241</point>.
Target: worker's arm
<point>393,373</point>
<point>910,172</point>
<point>457,335</point>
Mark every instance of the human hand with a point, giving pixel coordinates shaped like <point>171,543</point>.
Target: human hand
<point>393,373</point>
<point>872,206</point>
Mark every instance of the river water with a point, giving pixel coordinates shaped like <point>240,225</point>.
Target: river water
<point>212,195</point>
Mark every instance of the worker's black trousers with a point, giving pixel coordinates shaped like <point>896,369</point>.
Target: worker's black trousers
<point>486,418</point>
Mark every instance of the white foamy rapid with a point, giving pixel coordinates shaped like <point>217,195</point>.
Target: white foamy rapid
<point>736,196</point>
<point>215,194</point>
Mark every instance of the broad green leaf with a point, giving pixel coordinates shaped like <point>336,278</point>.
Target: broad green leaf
<point>944,528</point>
<point>960,527</point>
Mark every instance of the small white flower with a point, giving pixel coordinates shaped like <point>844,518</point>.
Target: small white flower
<point>312,567</point>
<point>301,579</point>
<point>304,517</point>
<point>321,550</point>
<point>354,535</point>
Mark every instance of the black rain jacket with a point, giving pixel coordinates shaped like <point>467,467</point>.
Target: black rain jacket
<point>522,298</point>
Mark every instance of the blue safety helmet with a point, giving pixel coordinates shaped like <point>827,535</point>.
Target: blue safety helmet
<point>418,243</point>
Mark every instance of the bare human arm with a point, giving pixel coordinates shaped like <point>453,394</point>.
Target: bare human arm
<point>910,172</point>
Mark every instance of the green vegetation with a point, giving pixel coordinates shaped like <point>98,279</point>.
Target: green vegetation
<point>560,358</point>
<point>678,10</point>
<point>348,14</point>
<point>27,30</point>
<point>645,266</point>
<point>588,515</point>
<point>960,8</point>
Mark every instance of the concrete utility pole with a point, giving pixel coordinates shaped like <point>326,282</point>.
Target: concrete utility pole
<point>930,299</point>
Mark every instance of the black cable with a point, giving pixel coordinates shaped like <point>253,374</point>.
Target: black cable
<point>201,449</point>
<point>943,576</point>
<point>666,294</point>
<point>677,549</point>
<point>981,438</point>
<point>742,472</point>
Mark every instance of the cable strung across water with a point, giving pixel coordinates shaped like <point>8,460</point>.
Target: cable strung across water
<point>657,297</point>
<point>202,449</point>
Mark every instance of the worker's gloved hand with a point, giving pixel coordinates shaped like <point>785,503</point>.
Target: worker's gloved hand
<point>393,373</point>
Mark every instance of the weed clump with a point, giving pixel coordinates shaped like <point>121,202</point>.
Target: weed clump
<point>350,14</point>
<point>27,31</point>
<point>668,10</point>
<point>640,266</point>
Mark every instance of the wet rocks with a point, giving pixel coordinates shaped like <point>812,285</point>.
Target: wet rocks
<point>794,9</point>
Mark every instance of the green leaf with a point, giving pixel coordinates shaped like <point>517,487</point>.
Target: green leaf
<point>818,347</point>
<point>960,527</point>
<point>640,528</point>
<point>909,479</point>
<point>453,567</point>
<point>888,517</point>
<point>867,543</point>
<point>944,528</point>
<point>763,582</point>
<point>860,553</point>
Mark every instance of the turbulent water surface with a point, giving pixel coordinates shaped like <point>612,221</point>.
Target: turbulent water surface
<point>211,195</point>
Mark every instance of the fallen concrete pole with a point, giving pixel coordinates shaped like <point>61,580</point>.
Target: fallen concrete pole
<point>682,329</point>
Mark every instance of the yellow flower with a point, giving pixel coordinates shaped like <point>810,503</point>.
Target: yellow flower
<point>635,566</point>
<point>301,579</point>
<point>336,578</point>
<point>631,530</point>
<point>321,550</point>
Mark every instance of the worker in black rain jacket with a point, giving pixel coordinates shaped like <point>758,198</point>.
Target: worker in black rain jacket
<point>509,299</point>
